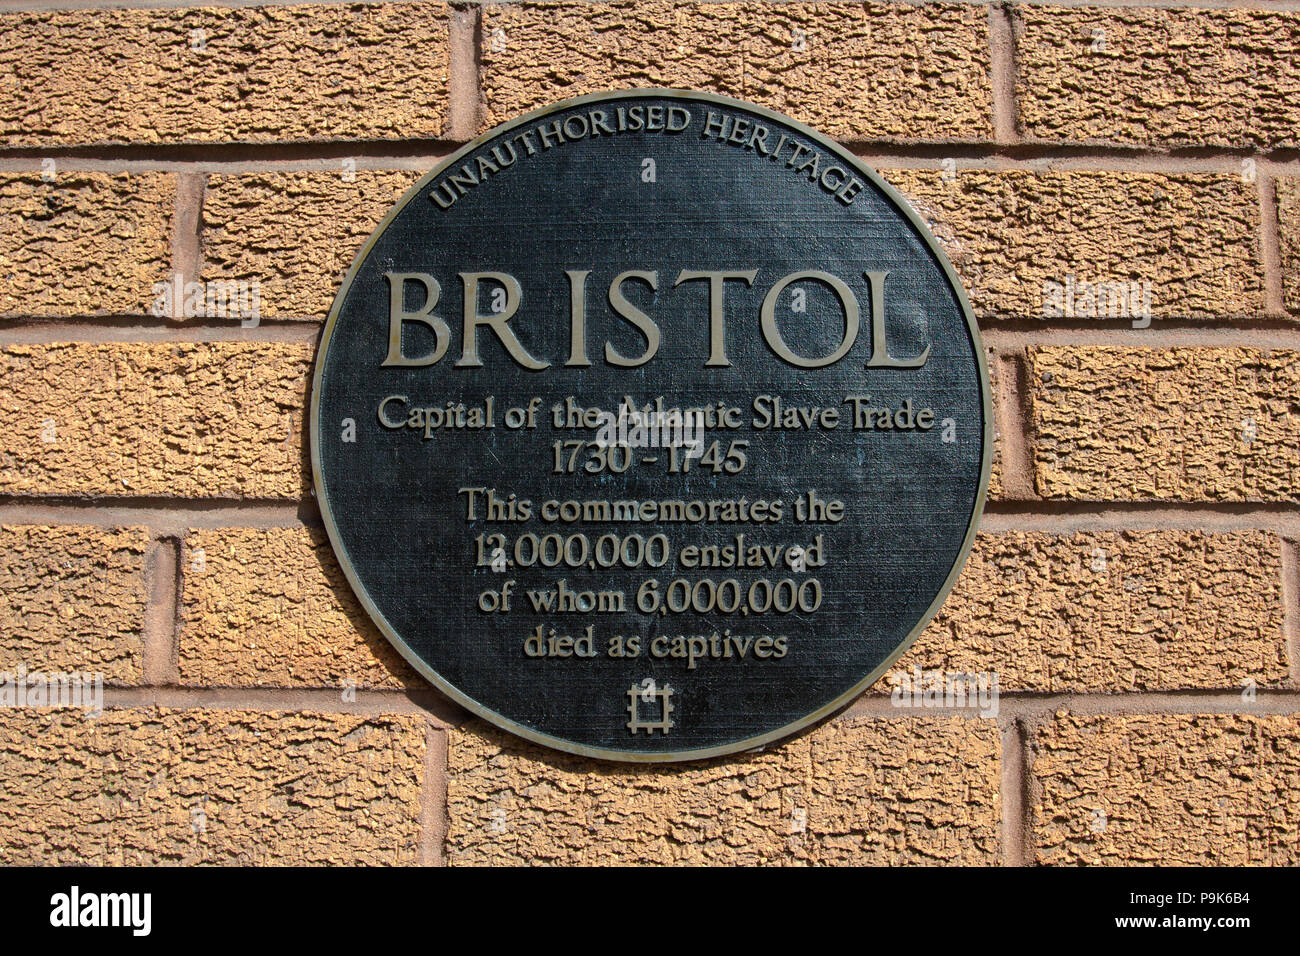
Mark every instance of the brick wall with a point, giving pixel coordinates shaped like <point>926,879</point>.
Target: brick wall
<point>1134,584</point>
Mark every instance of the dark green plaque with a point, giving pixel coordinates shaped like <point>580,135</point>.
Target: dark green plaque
<point>651,426</point>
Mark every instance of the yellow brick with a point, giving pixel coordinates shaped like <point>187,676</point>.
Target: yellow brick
<point>1194,237</point>
<point>1178,77</point>
<point>196,420</point>
<point>1168,789</point>
<point>1112,611</point>
<point>208,74</point>
<point>85,243</point>
<point>155,786</point>
<point>1288,200</point>
<point>271,608</point>
<point>72,599</point>
<point>995,491</point>
<point>861,71</point>
<point>295,234</point>
<point>1183,424</point>
<point>856,790</point>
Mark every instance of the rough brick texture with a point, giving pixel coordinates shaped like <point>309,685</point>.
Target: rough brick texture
<point>1159,76</point>
<point>72,599</point>
<point>1168,789</point>
<point>196,420</point>
<point>83,243</point>
<point>856,790</point>
<point>1181,424</point>
<point>210,75</point>
<point>155,786</point>
<point>1085,612</point>
<point>295,234</point>
<point>855,71</point>
<point>271,608</point>
<point>996,490</point>
<point>1288,201</point>
<point>1112,611</point>
<point>1193,237</point>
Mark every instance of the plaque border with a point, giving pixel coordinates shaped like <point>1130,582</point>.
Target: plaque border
<point>759,741</point>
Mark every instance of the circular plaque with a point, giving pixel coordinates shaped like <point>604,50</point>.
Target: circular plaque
<point>651,426</point>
